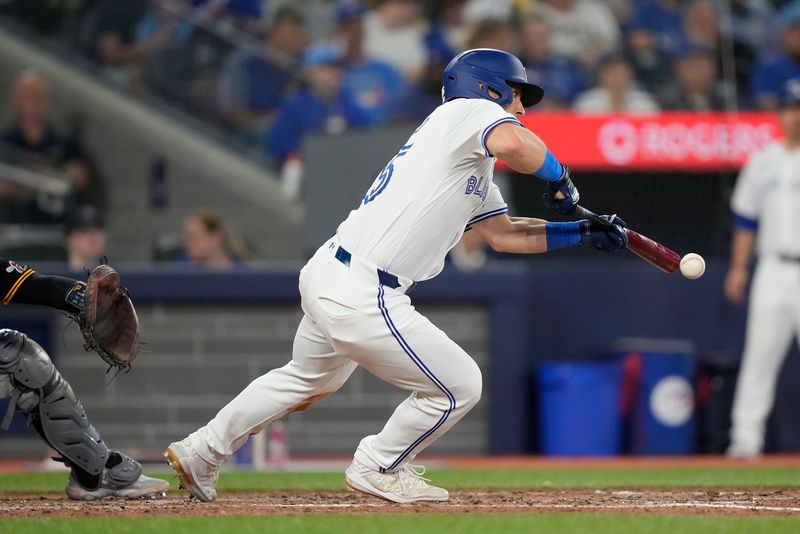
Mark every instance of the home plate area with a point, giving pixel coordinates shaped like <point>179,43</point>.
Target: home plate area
<point>737,502</point>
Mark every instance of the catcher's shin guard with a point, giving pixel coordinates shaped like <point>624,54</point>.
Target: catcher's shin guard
<point>38,389</point>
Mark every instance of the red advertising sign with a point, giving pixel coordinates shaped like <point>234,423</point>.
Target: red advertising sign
<point>666,142</point>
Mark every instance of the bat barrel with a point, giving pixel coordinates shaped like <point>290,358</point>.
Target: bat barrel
<point>652,252</point>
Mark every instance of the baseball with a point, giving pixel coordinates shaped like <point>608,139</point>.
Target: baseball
<point>693,266</point>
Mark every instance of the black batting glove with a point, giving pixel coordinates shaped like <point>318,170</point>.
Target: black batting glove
<point>607,234</point>
<point>564,185</point>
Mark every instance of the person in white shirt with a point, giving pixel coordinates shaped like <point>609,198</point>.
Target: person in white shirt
<point>766,208</point>
<point>615,91</point>
<point>353,291</point>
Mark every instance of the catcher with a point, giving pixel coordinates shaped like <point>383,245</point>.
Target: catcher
<point>108,321</point>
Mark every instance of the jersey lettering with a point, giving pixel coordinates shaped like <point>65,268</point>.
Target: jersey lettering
<point>476,186</point>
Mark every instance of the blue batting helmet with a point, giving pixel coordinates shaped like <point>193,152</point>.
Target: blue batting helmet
<point>472,73</point>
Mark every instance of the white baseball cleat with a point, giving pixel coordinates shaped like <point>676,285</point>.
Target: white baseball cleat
<point>403,486</point>
<point>195,475</point>
<point>142,488</point>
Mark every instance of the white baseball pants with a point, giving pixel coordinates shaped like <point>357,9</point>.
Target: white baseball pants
<point>351,319</point>
<point>773,320</point>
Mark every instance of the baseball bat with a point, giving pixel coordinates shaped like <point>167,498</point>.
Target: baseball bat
<point>649,250</point>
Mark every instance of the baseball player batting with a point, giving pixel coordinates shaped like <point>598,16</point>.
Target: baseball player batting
<point>36,388</point>
<point>353,290</point>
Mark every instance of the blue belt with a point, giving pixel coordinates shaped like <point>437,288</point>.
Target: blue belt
<point>384,277</point>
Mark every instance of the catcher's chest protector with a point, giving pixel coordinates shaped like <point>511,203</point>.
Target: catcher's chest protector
<point>39,390</point>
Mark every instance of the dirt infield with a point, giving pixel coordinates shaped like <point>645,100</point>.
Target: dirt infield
<point>717,502</point>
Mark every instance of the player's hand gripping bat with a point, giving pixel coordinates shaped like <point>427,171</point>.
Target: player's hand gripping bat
<point>650,251</point>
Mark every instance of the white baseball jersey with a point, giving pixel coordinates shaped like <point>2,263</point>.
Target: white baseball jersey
<point>768,191</point>
<point>439,183</point>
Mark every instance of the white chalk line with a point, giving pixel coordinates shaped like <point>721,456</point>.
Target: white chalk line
<point>733,505</point>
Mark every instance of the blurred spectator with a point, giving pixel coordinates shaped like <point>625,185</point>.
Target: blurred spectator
<point>615,91</point>
<point>701,29</point>
<point>622,10</point>
<point>477,10</point>
<point>316,107</point>
<point>32,133</point>
<point>450,22</point>
<point>393,33</point>
<point>168,66</point>
<point>84,238</point>
<point>774,70</point>
<point>491,33</point>
<point>701,24</point>
<point>750,26</point>
<point>208,241</point>
<point>655,35</point>
<point>561,79</point>
<point>113,41</point>
<point>581,30</point>
<point>254,83</point>
<point>696,87</point>
<point>371,89</point>
<point>231,16</point>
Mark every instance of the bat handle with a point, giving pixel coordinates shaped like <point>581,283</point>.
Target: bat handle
<point>583,213</point>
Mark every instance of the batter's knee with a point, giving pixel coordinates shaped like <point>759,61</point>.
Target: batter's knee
<point>469,389</point>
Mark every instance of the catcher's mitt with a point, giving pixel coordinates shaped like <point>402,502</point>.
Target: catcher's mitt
<point>108,319</point>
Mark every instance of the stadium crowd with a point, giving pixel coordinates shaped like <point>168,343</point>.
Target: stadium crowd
<point>273,71</point>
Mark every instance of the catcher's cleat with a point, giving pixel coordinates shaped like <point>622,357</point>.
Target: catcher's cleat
<point>142,488</point>
<point>195,475</point>
<point>402,486</point>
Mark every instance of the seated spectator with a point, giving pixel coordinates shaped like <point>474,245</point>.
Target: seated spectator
<point>393,34</point>
<point>371,89</point>
<point>750,26</point>
<point>655,36</point>
<point>561,78</point>
<point>231,16</point>
<point>696,86</point>
<point>84,239</point>
<point>701,29</point>
<point>491,33</point>
<point>477,10</point>
<point>113,41</point>
<point>774,70</point>
<point>422,97</point>
<point>315,107</point>
<point>254,83</point>
<point>35,139</point>
<point>581,30</point>
<point>615,91</point>
<point>167,69</point>
<point>451,23</point>
<point>209,242</point>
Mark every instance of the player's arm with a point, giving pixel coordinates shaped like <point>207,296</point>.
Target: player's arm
<point>742,246</point>
<point>523,235</point>
<point>513,234</point>
<point>23,285</point>
<point>523,151</point>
